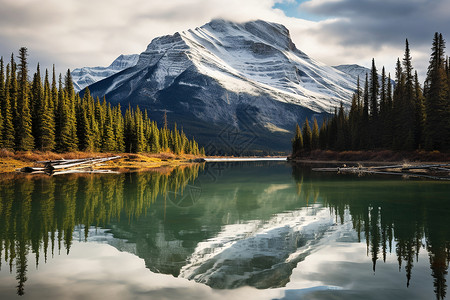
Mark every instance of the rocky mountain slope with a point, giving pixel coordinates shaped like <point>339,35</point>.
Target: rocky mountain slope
<point>234,86</point>
<point>82,77</point>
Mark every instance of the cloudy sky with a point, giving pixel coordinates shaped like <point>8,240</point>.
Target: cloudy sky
<point>77,33</point>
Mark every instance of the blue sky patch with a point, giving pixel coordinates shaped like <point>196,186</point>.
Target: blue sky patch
<point>292,9</point>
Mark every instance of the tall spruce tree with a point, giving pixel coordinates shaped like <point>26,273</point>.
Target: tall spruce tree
<point>436,99</point>
<point>374,91</point>
<point>84,130</point>
<point>13,86</point>
<point>59,115</point>
<point>37,104</point>
<point>307,136</point>
<point>2,99</point>
<point>297,141</point>
<point>8,135</point>
<point>155,145</point>
<point>400,130</point>
<point>374,109</point>
<point>69,139</point>
<point>383,92</point>
<point>420,117</point>
<point>139,138</point>
<point>364,134</point>
<point>47,129</point>
<point>119,129</point>
<point>108,142</point>
<point>315,135</point>
<point>354,118</point>
<point>24,132</point>
<point>407,113</point>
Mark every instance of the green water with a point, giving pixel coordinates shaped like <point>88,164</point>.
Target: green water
<point>255,230</point>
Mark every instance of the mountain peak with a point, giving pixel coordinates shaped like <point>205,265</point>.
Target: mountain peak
<point>226,74</point>
<point>271,33</point>
<point>82,77</point>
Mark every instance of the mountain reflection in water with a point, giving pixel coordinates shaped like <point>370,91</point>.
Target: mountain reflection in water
<point>228,224</point>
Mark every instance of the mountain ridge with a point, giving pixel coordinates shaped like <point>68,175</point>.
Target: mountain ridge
<point>85,76</point>
<point>246,77</point>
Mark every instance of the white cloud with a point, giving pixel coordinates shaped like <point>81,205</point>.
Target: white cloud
<point>75,33</point>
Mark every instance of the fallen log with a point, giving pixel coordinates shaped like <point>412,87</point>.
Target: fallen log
<point>435,171</point>
<point>83,165</point>
<point>88,161</point>
<point>62,172</point>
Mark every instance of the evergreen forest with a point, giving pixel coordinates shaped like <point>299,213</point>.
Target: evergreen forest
<point>48,115</point>
<point>403,116</point>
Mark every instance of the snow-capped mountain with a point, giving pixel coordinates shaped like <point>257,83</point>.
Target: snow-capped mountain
<point>224,77</point>
<point>354,71</point>
<point>82,77</point>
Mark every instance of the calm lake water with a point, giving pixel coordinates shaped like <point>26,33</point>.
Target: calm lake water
<point>253,230</point>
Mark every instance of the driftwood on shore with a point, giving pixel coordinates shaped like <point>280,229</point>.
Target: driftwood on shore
<point>430,171</point>
<point>67,166</point>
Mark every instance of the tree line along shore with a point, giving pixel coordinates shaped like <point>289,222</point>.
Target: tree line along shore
<point>401,117</point>
<point>49,116</point>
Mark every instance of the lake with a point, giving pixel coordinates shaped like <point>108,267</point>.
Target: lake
<point>221,230</point>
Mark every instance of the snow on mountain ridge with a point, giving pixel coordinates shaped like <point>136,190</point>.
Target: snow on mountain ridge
<point>252,57</point>
<point>244,75</point>
<point>83,77</point>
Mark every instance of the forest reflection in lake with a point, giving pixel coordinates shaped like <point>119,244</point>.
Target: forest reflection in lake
<point>231,225</point>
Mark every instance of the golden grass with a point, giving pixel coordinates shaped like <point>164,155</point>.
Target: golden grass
<point>11,161</point>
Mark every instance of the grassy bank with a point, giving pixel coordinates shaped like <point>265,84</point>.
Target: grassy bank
<point>11,161</point>
<point>373,156</point>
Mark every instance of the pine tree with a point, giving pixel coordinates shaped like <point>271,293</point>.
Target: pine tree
<point>129,130</point>
<point>13,86</point>
<point>407,112</point>
<point>374,91</point>
<point>36,104</point>
<point>374,110</point>
<point>420,117</point>
<point>119,129</point>
<point>436,99</point>
<point>323,135</point>
<point>8,127</point>
<point>24,136</point>
<point>342,136</point>
<point>354,122</point>
<point>315,135</point>
<point>364,134</point>
<point>400,130</point>
<point>307,136</point>
<point>139,138</point>
<point>383,92</point>
<point>84,130</point>
<point>2,99</point>
<point>297,141</point>
<point>59,115</point>
<point>69,139</point>
<point>47,130</point>
<point>154,142</point>
<point>388,117</point>
<point>108,142</point>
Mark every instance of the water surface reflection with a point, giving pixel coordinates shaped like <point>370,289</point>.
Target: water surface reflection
<point>231,225</point>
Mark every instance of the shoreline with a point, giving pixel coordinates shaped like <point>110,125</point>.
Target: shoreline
<point>128,162</point>
<point>372,157</point>
<point>133,162</point>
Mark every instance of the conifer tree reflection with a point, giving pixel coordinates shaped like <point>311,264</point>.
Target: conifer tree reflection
<point>38,213</point>
<point>405,218</point>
